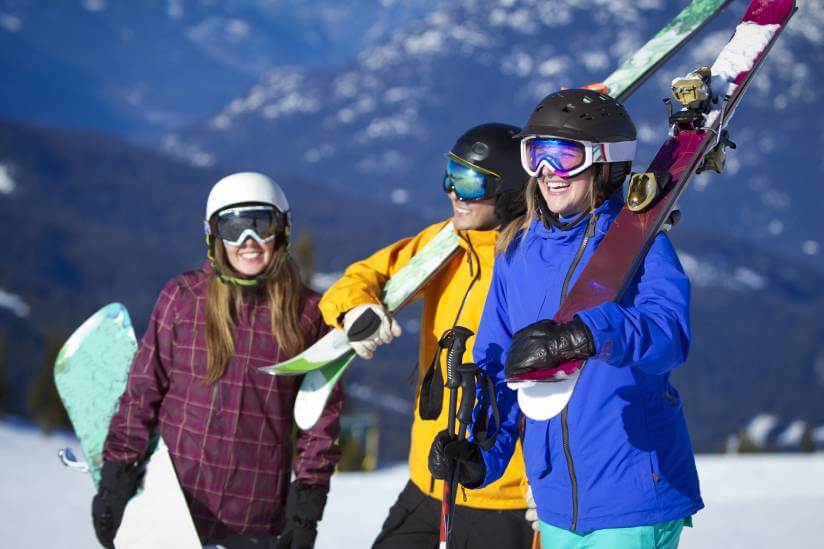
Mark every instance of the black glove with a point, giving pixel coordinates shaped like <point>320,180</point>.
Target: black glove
<point>304,508</point>
<point>118,483</point>
<point>446,452</point>
<point>545,344</point>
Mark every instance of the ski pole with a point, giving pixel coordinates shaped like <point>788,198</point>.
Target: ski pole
<point>464,417</point>
<point>455,339</point>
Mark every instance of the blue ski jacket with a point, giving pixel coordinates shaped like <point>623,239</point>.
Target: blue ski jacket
<point>619,455</point>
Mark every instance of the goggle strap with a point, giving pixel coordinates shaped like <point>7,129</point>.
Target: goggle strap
<point>469,164</point>
<point>620,151</point>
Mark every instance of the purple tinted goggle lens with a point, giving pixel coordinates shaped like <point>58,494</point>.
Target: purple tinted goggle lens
<point>561,156</point>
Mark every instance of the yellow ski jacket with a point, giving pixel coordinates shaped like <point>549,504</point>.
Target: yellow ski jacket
<point>455,295</point>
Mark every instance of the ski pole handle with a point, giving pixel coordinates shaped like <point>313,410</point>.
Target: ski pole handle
<point>455,340</point>
<point>364,326</point>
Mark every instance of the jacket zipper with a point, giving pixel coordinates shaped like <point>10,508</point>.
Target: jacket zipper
<point>565,414</point>
<point>571,468</point>
<point>590,232</point>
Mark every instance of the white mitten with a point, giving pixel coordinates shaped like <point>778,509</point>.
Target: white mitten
<point>531,509</point>
<point>387,330</point>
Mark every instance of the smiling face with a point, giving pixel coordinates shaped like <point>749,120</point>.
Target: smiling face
<point>565,197</point>
<point>250,258</point>
<point>473,215</point>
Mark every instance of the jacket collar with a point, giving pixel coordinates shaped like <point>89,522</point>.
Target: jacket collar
<point>606,212</point>
<point>481,242</point>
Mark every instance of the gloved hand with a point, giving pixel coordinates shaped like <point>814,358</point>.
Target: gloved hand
<point>118,483</point>
<point>531,514</point>
<point>545,344</point>
<point>385,332</point>
<point>447,451</point>
<point>304,508</point>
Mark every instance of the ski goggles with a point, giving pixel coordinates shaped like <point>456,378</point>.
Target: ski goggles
<point>469,182</point>
<point>569,157</point>
<point>235,225</point>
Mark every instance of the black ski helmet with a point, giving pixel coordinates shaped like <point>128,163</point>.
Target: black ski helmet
<point>584,115</point>
<point>493,147</point>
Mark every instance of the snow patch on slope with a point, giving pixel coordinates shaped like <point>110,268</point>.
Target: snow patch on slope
<point>94,5</point>
<point>10,22</point>
<point>282,94</point>
<point>187,151</point>
<point>14,303</point>
<point>706,274</point>
<point>760,427</point>
<point>7,184</point>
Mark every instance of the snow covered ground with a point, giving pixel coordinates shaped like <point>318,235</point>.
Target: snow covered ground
<point>752,501</point>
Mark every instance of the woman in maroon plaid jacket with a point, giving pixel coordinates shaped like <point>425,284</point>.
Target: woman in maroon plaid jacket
<point>228,427</point>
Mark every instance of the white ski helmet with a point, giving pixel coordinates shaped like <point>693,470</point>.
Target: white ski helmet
<point>243,188</point>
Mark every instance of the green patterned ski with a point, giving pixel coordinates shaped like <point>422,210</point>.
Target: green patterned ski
<point>634,71</point>
<point>319,381</point>
<point>332,352</point>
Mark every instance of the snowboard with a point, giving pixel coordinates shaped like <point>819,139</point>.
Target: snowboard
<point>697,141</point>
<point>90,374</point>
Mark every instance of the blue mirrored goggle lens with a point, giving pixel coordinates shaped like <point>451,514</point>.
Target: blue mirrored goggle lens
<point>231,225</point>
<point>467,183</point>
<point>562,155</point>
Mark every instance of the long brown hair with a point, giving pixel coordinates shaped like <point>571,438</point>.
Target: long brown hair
<point>281,285</point>
<point>532,195</point>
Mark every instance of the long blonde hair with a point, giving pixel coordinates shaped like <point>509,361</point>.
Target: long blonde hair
<point>596,194</point>
<point>279,282</point>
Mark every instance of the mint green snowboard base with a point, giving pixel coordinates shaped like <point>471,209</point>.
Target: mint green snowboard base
<point>90,374</point>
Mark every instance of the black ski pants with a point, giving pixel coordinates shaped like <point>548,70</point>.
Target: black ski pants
<point>414,523</point>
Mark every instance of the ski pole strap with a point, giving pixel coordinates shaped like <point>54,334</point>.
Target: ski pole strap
<point>467,374</point>
<point>480,430</point>
<point>430,403</point>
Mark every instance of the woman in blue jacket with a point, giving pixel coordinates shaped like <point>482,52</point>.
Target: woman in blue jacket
<point>616,468</point>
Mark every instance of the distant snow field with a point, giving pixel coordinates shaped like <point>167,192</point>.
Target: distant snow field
<point>762,501</point>
<point>7,184</point>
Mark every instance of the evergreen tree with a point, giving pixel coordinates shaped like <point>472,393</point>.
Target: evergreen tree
<point>303,251</point>
<point>43,402</point>
<point>4,381</point>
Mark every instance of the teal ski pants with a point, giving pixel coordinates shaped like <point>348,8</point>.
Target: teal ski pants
<point>664,535</point>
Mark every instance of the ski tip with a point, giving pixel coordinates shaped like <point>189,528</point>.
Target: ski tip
<point>599,87</point>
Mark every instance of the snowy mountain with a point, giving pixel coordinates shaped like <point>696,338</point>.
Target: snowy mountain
<point>385,121</point>
<point>141,68</point>
<point>97,220</point>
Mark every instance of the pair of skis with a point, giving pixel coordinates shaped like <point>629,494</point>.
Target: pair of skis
<point>325,361</point>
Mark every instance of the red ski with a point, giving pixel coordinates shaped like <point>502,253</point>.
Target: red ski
<point>697,142</point>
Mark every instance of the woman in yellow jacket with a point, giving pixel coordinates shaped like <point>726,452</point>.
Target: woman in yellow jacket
<point>485,182</point>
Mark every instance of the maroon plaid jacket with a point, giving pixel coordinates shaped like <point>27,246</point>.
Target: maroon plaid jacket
<point>231,442</point>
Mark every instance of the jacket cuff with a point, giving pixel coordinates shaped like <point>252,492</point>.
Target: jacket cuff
<point>602,331</point>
